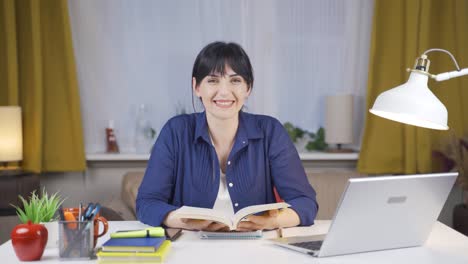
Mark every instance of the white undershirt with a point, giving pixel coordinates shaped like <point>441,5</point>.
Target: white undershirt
<point>223,200</point>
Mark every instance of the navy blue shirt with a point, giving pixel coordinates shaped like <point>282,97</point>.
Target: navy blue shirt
<point>184,169</point>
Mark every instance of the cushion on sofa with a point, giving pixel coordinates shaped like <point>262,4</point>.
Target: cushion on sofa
<point>130,184</point>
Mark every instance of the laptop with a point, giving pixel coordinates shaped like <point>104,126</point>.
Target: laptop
<point>379,213</point>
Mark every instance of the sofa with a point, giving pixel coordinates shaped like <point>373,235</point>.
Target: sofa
<point>329,184</point>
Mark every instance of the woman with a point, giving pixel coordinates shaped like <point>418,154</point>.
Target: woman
<point>224,158</point>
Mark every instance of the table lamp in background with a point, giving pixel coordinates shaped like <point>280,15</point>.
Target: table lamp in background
<point>339,122</point>
<point>412,102</point>
<point>11,137</point>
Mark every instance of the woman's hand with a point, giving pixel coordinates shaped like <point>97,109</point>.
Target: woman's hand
<point>205,225</point>
<point>270,220</point>
<point>194,224</point>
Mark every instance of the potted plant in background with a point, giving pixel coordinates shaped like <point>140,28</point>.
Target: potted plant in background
<point>305,140</point>
<point>453,156</point>
<point>38,215</point>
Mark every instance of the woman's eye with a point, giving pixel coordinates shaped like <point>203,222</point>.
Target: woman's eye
<point>236,80</point>
<point>212,80</point>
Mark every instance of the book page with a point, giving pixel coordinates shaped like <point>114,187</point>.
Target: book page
<point>256,209</point>
<point>203,214</point>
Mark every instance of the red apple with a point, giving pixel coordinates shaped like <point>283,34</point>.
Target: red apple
<point>29,241</point>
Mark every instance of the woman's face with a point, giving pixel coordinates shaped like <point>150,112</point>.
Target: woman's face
<point>222,96</point>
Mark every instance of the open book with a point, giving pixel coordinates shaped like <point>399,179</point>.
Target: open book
<point>230,220</point>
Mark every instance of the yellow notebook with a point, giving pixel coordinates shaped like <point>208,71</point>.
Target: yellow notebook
<point>137,257</point>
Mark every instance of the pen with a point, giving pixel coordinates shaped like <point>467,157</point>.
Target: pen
<point>87,211</point>
<point>79,226</point>
<point>94,212</point>
<point>79,211</point>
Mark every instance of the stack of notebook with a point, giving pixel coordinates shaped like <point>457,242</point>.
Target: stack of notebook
<point>144,249</point>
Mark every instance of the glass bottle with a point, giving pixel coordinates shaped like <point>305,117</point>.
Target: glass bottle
<point>144,133</point>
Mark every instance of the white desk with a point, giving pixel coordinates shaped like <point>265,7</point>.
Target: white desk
<point>443,246</point>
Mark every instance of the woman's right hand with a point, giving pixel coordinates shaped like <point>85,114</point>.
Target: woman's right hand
<point>205,225</point>
<point>194,224</point>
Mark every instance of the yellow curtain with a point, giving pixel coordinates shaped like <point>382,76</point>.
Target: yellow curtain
<point>403,30</point>
<point>38,74</point>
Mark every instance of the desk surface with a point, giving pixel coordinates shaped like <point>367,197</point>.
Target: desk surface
<point>443,246</point>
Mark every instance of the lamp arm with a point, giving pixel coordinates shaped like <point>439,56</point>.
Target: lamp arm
<point>449,75</point>
<point>445,51</point>
<point>446,75</point>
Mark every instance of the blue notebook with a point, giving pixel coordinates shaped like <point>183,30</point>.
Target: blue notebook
<point>141,244</point>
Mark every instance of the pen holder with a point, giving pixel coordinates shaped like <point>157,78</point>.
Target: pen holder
<point>76,239</point>
<point>98,221</point>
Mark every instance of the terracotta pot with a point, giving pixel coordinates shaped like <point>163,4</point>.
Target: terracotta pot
<point>29,241</point>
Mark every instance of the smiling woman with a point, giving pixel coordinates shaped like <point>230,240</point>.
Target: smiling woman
<point>222,78</point>
<point>224,158</point>
<point>222,89</point>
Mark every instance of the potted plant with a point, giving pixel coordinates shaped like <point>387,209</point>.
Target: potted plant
<point>305,140</point>
<point>41,209</point>
<point>453,156</point>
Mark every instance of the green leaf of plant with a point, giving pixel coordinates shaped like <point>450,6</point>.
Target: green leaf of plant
<point>21,215</point>
<point>39,208</point>
<point>321,133</point>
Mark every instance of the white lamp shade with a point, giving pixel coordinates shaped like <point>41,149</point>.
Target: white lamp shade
<point>412,103</point>
<point>339,119</point>
<point>11,136</point>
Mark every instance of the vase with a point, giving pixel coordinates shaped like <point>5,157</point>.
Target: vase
<point>301,143</point>
<point>52,230</point>
<point>29,241</point>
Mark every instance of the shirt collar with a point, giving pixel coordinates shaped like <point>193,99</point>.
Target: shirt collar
<point>248,128</point>
<point>201,128</point>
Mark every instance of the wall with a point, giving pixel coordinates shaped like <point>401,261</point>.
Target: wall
<point>141,52</point>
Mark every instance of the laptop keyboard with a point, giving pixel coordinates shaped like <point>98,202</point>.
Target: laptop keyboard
<point>312,245</point>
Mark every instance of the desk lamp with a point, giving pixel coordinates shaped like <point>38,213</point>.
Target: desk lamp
<point>412,102</point>
<point>11,136</point>
<point>339,122</point>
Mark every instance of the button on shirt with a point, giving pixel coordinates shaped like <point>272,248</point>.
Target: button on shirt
<point>184,170</point>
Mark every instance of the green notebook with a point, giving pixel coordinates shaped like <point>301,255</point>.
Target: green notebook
<point>135,257</point>
<point>147,232</point>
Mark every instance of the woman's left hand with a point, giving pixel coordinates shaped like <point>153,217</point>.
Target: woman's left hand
<point>269,220</point>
